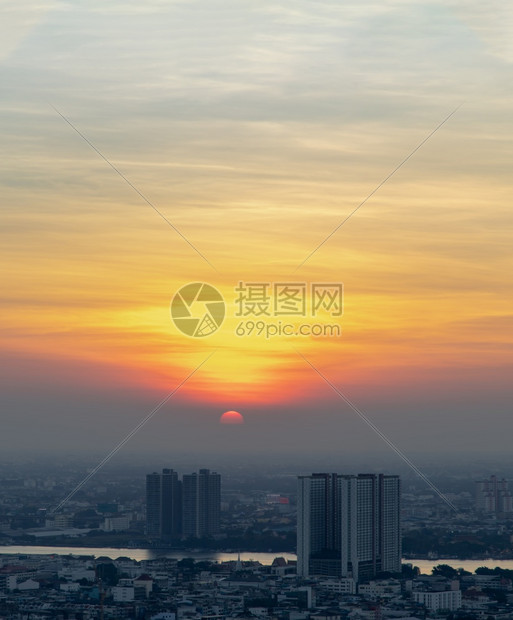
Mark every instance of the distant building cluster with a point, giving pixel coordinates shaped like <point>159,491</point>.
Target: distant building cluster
<point>348,526</point>
<point>63,586</point>
<point>187,508</point>
<point>494,497</point>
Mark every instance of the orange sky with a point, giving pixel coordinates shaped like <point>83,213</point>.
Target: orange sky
<point>256,138</point>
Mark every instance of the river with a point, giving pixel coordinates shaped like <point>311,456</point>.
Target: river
<point>425,566</point>
<point>146,554</point>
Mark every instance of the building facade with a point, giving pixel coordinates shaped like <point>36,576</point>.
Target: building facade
<point>201,504</point>
<point>163,505</point>
<point>348,526</point>
<point>493,496</point>
<point>447,600</point>
<point>153,504</point>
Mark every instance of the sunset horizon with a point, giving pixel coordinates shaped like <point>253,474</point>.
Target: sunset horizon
<point>223,150</point>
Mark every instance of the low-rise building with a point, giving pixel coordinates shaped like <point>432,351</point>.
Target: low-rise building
<point>449,600</point>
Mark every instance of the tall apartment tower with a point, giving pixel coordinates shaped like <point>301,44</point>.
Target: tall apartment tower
<point>348,526</point>
<point>163,505</point>
<point>494,496</point>
<point>153,516</point>
<point>201,503</point>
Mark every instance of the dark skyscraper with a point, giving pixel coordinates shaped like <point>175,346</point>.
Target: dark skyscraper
<point>493,496</point>
<point>171,504</point>
<point>163,505</point>
<point>201,503</point>
<point>153,503</point>
<point>348,525</point>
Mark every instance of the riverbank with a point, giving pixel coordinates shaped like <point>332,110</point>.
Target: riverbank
<point>425,566</point>
<point>145,554</point>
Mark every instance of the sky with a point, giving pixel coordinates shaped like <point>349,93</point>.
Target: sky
<point>255,128</point>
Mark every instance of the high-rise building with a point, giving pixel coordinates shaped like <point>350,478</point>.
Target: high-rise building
<point>153,503</point>
<point>201,503</point>
<point>171,504</point>
<point>163,505</point>
<point>348,526</point>
<point>493,496</point>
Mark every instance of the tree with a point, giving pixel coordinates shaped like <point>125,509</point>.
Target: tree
<point>484,570</point>
<point>444,570</point>
<point>409,571</point>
